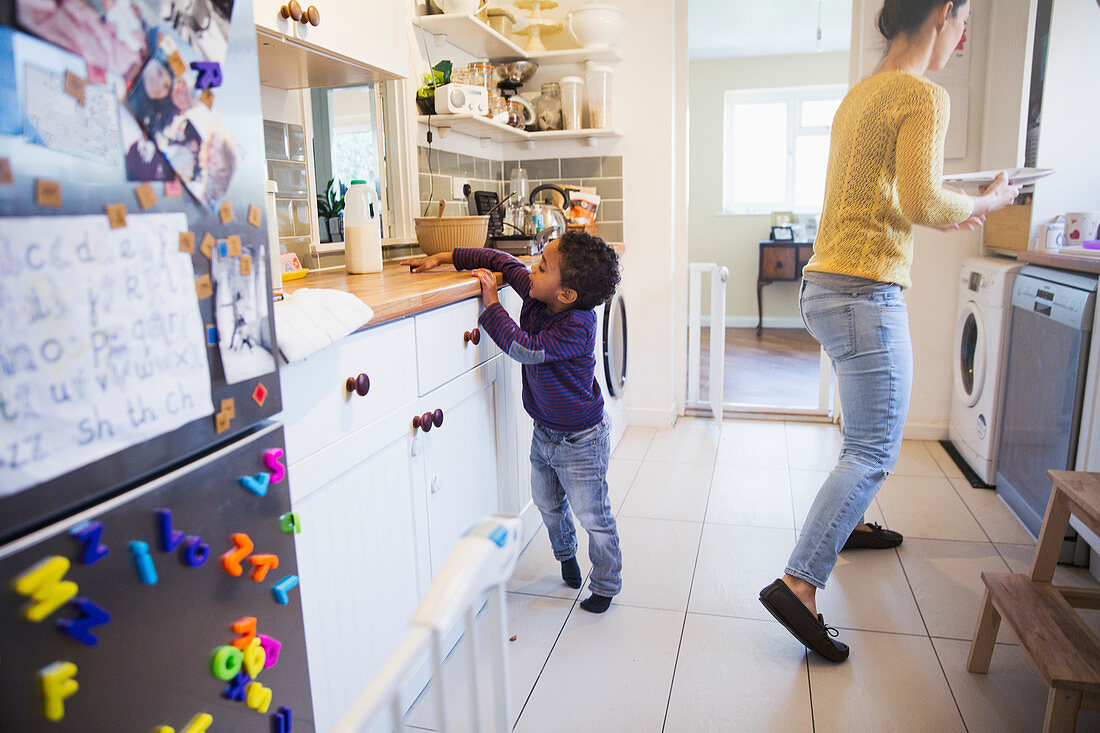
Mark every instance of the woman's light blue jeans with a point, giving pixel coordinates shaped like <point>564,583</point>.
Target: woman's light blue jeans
<point>867,338</point>
<point>569,470</point>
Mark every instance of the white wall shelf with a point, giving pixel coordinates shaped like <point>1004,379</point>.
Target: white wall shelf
<point>478,39</point>
<point>486,129</point>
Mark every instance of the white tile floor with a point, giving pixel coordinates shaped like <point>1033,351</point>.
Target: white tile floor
<point>707,519</point>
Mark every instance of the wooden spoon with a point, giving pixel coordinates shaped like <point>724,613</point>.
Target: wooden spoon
<point>442,205</point>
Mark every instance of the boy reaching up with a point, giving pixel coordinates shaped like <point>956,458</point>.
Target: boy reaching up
<point>555,341</point>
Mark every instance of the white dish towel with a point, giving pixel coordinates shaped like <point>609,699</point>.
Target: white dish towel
<point>310,319</point>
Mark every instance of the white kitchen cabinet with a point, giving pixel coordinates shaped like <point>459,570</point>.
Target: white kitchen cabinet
<point>359,502</point>
<point>443,343</point>
<point>370,33</point>
<point>515,484</point>
<point>462,456</point>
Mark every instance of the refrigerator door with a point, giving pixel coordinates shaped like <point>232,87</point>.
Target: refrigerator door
<point>153,662</point>
<point>85,187</point>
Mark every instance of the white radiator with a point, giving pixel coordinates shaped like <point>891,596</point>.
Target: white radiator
<point>707,275</point>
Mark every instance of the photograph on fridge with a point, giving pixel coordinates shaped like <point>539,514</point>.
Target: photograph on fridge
<point>78,26</point>
<point>140,155</point>
<point>203,24</point>
<point>241,313</point>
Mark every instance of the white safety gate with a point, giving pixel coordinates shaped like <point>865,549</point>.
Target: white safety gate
<point>713,276</point>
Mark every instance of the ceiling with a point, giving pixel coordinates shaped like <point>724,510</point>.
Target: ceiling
<point>734,28</point>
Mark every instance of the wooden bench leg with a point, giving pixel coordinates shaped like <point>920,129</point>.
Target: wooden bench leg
<point>985,637</point>
<point>1062,709</point>
<point>1051,535</point>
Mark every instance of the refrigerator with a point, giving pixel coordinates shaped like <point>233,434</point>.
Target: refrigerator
<point>147,542</point>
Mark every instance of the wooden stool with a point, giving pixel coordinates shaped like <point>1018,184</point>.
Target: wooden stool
<point>1061,647</point>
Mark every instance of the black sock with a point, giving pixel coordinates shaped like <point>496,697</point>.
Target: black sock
<point>596,604</point>
<point>571,572</point>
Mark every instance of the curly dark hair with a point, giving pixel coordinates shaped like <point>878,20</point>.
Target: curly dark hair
<point>588,266</point>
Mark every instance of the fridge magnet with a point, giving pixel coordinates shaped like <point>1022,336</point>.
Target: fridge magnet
<point>143,562</point>
<point>175,63</point>
<point>261,564</point>
<point>223,250</point>
<point>203,288</point>
<point>207,98</point>
<point>53,118</point>
<point>254,215</point>
<point>207,245</point>
<point>91,616</point>
<point>202,24</point>
<point>142,159</point>
<point>43,584</point>
<point>173,188</point>
<point>241,306</point>
<point>210,74</point>
<point>211,335</point>
<point>229,406</point>
<point>57,684</point>
<point>259,395</point>
<point>47,193</point>
<point>145,195</point>
<point>256,484</point>
<point>233,246</point>
<point>272,460</point>
<point>281,590</point>
<point>221,422</point>
<point>246,265</point>
<point>271,650</point>
<point>246,627</point>
<point>196,552</point>
<point>116,215</point>
<point>5,172</point>
<point>89,533</point>
<point>259,697</point>
<point>170,538</point>
<point>133,353</point>
<point>234,691</point>
<point>283,721</point>
<point>187,242</point>
<point>231,559</point>
<point>226,662</point>
<point>225,213</point>
<point>290,523</point>
<point>75,87</point>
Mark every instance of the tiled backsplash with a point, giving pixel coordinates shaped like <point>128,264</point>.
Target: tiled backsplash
<point>605,173</point>
<point>285,146</point>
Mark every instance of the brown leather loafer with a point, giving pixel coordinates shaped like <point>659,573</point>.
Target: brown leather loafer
<point>788,610</point>
<point>877,539</point>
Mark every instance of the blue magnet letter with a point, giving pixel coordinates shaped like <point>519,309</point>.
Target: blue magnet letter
<point>144,564</point>
<point>281,588</point>
<point>210,74</point>
<point>197,551</point>
<point>90,615</point>
<point>89,533</point>
<point>169,538</point>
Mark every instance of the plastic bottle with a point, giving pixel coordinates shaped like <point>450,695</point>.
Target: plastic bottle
<point>362,231</point>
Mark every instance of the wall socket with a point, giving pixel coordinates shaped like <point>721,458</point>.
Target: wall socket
<point>456,187</point>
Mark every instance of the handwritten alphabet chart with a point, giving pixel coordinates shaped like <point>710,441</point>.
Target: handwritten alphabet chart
<point>101,341</point>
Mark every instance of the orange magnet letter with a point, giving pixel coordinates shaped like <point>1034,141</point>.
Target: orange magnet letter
<point>246,627</point>
<point>231,560</point>
<point>263,563</point>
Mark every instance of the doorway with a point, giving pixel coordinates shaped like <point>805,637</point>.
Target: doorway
<point>764,82</point>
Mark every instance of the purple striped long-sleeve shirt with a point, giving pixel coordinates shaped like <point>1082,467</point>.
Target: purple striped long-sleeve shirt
<point>557,350</point>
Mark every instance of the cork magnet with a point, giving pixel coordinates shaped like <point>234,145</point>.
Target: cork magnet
<point>75,87</point>
<point>207,98</point>
<point>116,215</point>
<point>145,195</point>
<point>207,245</point>
<point>225,213</point>
<point>233,244</point>
<point>173,188</point>
<point>203,287</point>
<point>253,215</point>
<point>246,264</point>
<point>221,422</point>
<point>187,242</point>
<point>229,407</point>
<point>5,172</point>
<point>47,193</point>
<point>175,63</point>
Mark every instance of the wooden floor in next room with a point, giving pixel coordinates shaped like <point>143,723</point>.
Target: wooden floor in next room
<point>779,368</point>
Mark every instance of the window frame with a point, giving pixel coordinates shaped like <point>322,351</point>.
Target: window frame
<point>793,97</point>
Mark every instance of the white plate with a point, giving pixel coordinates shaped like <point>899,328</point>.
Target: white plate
<point>1016,176</point>
<point>1080,251</point>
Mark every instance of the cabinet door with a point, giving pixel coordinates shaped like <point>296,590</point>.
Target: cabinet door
<point>515,479</point>
<point>461,457</point>
<point>268,16</point>
<point>358,557</point>
<point>371,32</point>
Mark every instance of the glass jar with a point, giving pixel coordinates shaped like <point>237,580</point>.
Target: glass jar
<point>460,76</point>
<point>516,116</point>
<point>548,107</point>
<point>480,74</point>
<point>498,109</point>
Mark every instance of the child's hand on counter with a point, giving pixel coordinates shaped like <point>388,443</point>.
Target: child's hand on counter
<point>488,286</point>
<point>423,264</point>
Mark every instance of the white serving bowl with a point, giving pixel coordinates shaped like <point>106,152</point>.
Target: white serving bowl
<point>596,25</point>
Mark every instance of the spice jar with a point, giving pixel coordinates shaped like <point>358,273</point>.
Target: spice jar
<point>498,109</point>
<point>480,74</point>
<point>516,116</point>
<point>548,107</point>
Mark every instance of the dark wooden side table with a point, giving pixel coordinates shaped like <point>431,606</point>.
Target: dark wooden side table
<point>779,262</point>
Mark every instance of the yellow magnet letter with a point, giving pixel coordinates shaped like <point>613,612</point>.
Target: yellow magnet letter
<point>44,584</point>
<point>57,684</point>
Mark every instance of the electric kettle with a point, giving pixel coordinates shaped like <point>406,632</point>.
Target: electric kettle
<point>544,221</point>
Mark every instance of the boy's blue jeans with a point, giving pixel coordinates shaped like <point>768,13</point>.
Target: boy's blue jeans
<point>867,338</point>
<point>569,470</point>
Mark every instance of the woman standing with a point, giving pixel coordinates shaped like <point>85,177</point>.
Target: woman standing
<point>885,175</point>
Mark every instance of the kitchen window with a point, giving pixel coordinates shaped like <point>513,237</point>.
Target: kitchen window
<point>776,148</point>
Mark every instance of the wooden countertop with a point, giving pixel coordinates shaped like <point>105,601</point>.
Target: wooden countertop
<point>1078,263</point>
<point>396,292</point>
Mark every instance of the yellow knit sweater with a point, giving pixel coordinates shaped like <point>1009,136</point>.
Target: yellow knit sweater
<point>885,175</point>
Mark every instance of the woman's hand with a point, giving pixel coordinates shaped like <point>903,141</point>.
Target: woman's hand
<point>488,286</point>
<point>422,264</point>
<point>969,225</point>
<point>996,195</point>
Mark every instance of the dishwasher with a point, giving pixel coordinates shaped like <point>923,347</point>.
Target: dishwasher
<point>1048,350</point>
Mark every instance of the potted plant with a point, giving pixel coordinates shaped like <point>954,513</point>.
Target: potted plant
<point>330,207</point>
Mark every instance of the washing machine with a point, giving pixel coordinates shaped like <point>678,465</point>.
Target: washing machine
<point>978,364</point>
<point>611,362</point>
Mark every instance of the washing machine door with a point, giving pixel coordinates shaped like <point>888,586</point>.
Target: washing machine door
<point>614,344</point>
<point>971,341</point>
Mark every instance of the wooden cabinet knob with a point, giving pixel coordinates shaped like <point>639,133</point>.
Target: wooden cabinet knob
<point>360,385</point>
<point>424,422</point>
<point>291,10</point>
<point>437,418</point>
<point>312,16</point>
<point>472,336</point>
